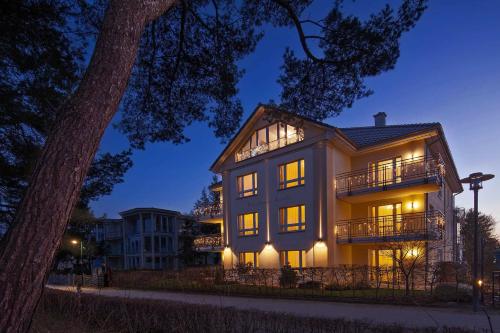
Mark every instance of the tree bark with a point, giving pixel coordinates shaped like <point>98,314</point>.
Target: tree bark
<point>27,251</point>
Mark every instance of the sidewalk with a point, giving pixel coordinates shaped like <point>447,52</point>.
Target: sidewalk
<point>408,316</point>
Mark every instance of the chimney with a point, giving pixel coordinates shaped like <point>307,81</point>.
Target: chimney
<point>380,119</point>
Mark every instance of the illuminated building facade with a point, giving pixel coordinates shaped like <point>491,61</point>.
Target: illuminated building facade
<point>301,192</point>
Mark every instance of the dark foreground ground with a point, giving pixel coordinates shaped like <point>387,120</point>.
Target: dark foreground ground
<point>61,311</point>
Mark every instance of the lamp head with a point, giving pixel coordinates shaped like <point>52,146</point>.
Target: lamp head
<point>475,180</point>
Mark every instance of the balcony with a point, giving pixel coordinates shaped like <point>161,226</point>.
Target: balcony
<point>270,146</point>
<point>398,178</point>
<point>210,213</point>
<point>208,243</point>
<point>393,228</point>
<point>114,234</point>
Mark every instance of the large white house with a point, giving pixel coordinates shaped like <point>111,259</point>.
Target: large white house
<point>306,193</point>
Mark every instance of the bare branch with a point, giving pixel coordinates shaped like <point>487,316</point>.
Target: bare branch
<point>303,41</point>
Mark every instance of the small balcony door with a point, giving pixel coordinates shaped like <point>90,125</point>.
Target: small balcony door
<point>385,172</point>
<point>387,219</point>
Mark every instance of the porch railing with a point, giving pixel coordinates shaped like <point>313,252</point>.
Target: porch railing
<point>114,234</point>
<point>401,227</point>
<point>211,210</point>
<point>385,175</point>
<point>269,146</point>
<point>209,242</point>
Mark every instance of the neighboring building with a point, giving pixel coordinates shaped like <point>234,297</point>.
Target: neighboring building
<point>306,193</point>
<point>151,238</point>
<point>144,238</point>
<point>3,229</point>
<point>109,234</point>
<point>496,259</point>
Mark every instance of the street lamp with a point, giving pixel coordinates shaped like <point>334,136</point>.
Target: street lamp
<point>74,242</point>
<point>475,181</point>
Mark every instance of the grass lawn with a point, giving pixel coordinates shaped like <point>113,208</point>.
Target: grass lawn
<point>64,312</point>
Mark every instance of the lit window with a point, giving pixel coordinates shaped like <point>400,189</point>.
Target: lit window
<point>292,174</point>
<point>248,224</point>
<point>293,218</point>
<point>249,258</point>
<point>386,172</point>
<point>269,138</point>
<point>247,185</point>
<point>294,258</point>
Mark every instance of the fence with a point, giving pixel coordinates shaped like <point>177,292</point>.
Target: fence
<point>85,280</point>
<point>444,282</point>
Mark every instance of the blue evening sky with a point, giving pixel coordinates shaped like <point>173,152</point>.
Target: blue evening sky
<point>448,72</point>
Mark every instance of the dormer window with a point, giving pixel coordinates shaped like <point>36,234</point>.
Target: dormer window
<point>269,138</point>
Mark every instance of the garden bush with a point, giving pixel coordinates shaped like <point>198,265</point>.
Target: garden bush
<point>288,278</point>
<point>451,293</point>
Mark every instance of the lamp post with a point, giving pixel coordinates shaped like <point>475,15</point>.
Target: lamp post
<point>475,181</point>
<point>74,242</point>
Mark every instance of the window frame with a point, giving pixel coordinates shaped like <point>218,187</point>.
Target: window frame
<point>375,171</point>
<point>242,232</point>
<point>296,135</point>
<point>283,182</point>
<point>239,185</point>
<point>255,258</point>
<point>283,219</point>
<point>302,258</point>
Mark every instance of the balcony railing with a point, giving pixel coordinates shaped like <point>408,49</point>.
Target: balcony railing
<point>387,175</point>
<point>115,234</point>
<point>270,146</point>
<point>392,228</point>
<point>212,210</point>
<point>214,242</point>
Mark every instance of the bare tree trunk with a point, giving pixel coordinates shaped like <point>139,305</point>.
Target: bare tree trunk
<point>27,251</point>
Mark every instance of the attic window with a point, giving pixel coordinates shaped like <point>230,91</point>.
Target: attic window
<point>269,138</point>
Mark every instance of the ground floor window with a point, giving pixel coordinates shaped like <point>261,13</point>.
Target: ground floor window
<point>294,258</point>
<point>249,258</point>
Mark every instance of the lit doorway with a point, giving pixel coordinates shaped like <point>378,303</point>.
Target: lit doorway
<point>387,219</point>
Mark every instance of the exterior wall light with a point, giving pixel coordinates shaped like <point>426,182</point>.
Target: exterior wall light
<point>412,205</point>
<point>320,243</point>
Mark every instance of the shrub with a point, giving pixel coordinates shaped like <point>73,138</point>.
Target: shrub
<point>310,285</point>
<point>288,277</point>
<point>452,293</point>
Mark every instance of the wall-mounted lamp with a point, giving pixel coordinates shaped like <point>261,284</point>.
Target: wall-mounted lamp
<point>412,205</point>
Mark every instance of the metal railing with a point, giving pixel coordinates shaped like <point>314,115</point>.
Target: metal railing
<point>399,227</point>
<point>209,242</point>
<point>384,175</point>
<point>115,234</point>
<point>211,210</point>
<point>273,145</point>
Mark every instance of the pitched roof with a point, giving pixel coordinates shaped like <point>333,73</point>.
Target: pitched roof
<point>373,135</point>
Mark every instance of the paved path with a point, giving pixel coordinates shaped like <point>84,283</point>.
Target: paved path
<point>408,316</point>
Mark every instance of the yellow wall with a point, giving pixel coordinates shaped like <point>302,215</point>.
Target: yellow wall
<point>362,210</point>
<point>228,258</point>
<point>406,151</point>
<point>269,257</point>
